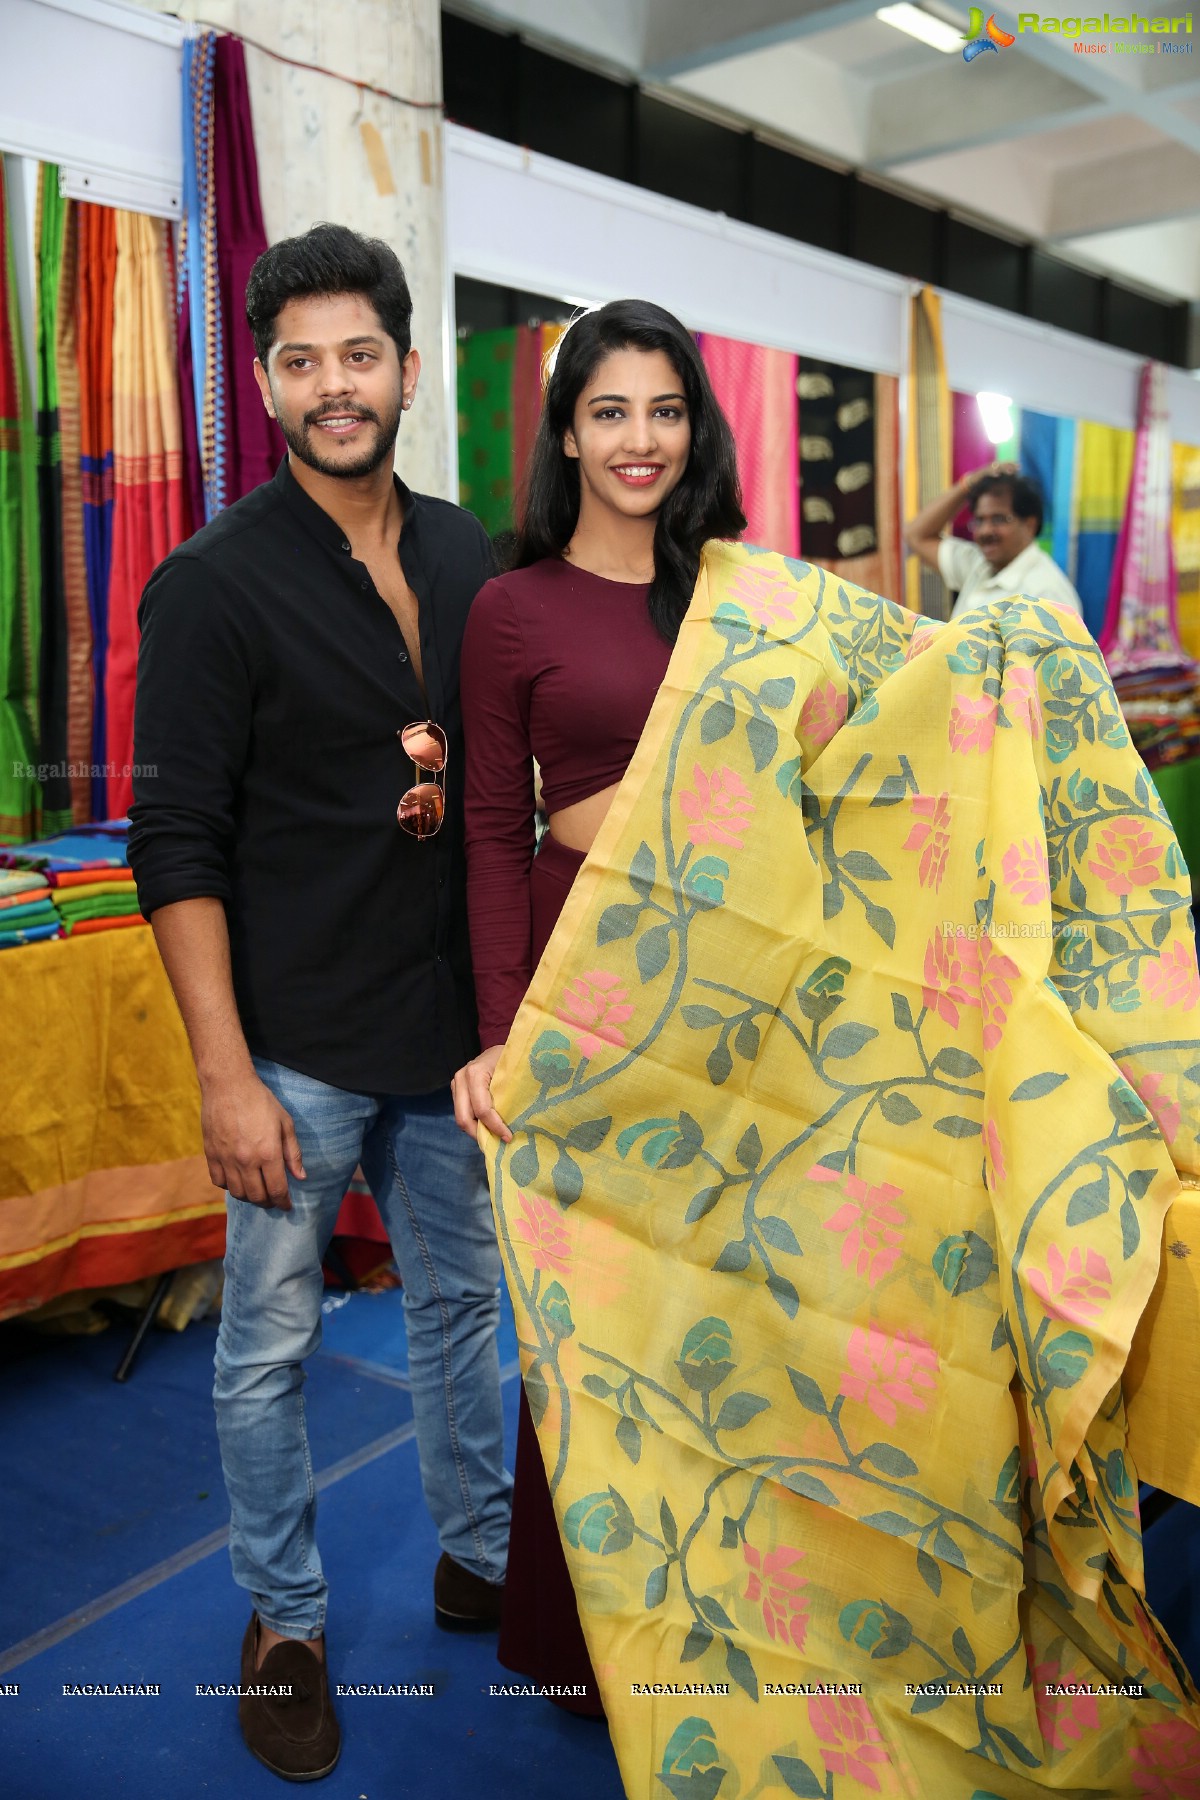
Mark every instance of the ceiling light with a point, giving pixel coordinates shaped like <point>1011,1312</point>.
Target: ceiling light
<point>996,412</point>
<point>920,24</point>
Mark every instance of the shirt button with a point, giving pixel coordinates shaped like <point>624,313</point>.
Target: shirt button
<point>403,655</point>
<point>345,543</point>
<point>364,585</point>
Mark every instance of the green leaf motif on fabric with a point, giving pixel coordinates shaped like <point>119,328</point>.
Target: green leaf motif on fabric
<point>749,1150</point>
<point>890,791</point>
<point>784,1294</point>
<point>670,1530</point>
<point>738,1410</point>
<point>690,1770</point>
<point>890,1460</point>
<point>704,883</point>
<point>1007,1499</point>
<point>881,922</point>
<point>808,1393</point>
<point>1082,791</point>
<point>706,1355</point>
<point>696,1642</point>
<point>746,1040</point>
<point>601,1523</point>
<point>789,779</point>
<point>960,1065</point>
<point>537,1393</point>
<point>1088,1202</point>
<point>734,1258</point>
<point>549,1063</point>
<point>929,1569</point>
<point>732,623</point>
<point>717,723</point>
<point>1125,1106</point>
<point>656,1586</point>
<point>642,870</point>
<point>863,866</point>
<point>898,1109</point>
<point>894,1523</point>
<point>847,1040</point>
<point>947,1550</point>
<point>619,921</point>
<point>956,1126</point>
<point>777,693</point>
<point>1131,1231</point>
<point>567,1178</point>
<point>963,1262</point>
<point>555,1308</point>
<point>1034,1087</point>
<point>875,1627</point>
<point>653,951</point>
<point>779,1234</point>
<point>1065,1359</point>
<point>703,1202</point>
<point>798,1778</point>
<point>1116,1473</point>
<point>763,738</point>
<point>524,1165</point>
<point>589,1134</point>
<point>809,1487</point>
<point>629,1439</point>
<point>669,1143</point>
<point>963,1650</point>
<point>741,1670</point>
<point>828,978</point>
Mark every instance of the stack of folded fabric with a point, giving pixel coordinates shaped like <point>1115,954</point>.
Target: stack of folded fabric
<point>84,875</point>
<point>27,910</point>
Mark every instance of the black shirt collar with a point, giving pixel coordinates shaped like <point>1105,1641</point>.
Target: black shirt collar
<point>316,520</point>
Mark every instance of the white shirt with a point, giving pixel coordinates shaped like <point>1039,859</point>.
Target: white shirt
<point>964,566</point>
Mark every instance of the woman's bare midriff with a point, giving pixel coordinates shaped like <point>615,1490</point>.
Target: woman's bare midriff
<point>576,826</point>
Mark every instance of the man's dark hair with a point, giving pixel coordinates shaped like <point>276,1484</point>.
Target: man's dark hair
<point>1023,494</point>
<point>708,500</point>
<point>328,259</point>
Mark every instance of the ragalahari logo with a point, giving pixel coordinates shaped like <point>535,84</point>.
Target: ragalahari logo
<point>983,37</point>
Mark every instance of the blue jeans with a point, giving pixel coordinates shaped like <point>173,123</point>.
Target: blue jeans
<point>430,1185</point>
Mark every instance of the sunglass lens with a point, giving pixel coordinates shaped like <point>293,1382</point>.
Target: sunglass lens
<point>425,744</point>
<point>420,810</point>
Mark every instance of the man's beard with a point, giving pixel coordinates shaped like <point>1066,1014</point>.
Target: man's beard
<point>302,439</point>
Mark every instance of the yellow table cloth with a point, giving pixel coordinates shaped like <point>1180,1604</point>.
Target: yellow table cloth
<point>848,1100</point>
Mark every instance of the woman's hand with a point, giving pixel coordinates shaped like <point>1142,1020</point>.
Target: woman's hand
<point>472,1090</point>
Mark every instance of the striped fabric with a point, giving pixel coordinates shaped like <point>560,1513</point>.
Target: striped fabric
<point>1185,531</point>
<point>198,290</point>
<point>927,454</point>
<point>19,576</point>
<point>757,392</point>
<point>74,556</point>
<point>96,273</point>
<point>1104,466</point>
<point>50,234</point>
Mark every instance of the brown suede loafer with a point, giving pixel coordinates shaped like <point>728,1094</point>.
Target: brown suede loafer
<point>465,1602</point>
<point>292,1731</point>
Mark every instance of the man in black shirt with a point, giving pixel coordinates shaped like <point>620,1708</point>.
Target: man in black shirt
<point>311,916</point>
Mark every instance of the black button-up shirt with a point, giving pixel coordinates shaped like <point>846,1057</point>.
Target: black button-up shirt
<point>273,681</point>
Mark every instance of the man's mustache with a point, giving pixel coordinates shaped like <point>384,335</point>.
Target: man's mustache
<point>341,412</point>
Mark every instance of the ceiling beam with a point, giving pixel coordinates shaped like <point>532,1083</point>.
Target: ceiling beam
<point>685,35</point>
<point>929,113</point>
<point>976,134</point>
<point>1135,187</point>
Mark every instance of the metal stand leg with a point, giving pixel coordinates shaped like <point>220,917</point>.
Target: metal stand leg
<point>124,1368</point>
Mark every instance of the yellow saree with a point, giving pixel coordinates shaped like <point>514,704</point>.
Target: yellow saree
<point>847,1104</point>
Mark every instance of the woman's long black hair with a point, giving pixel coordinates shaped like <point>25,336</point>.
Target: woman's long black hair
<point>707,503</point>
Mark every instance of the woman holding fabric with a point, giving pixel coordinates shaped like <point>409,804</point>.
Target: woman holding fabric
<point>632,471</point>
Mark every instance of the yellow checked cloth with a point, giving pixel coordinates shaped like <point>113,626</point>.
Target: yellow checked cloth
<point>848,1100</point>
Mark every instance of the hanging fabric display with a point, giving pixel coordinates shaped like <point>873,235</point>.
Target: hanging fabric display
<point>535,349</point>
<point>55,812</point>
<point>485,426</point>
<point>848,460</point>
<point>253,442</point>
<point>1140,639</point>
<point>1105,465</point>
<point>20,595</point>
<point>198,290</point>
<point>149,516</point>
<point>1185,533</point>
<point>74,555</point>
<point>95,276</point>
<point>928,452</point>
<point>757,392</point>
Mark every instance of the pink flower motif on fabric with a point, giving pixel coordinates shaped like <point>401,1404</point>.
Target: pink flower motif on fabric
<point>972,723</point>
<point>1165,1761</point>
<point>1020,696</point>
<point>872,1225</point>
<point>1128,855</point>
<point>1026,872</point>
<point>1074,1288</point>
<point>994,1170</point>
<point>596,1005</point>
<point>850,1740</point>
<point>771,1580</point>
<point>539,1226</point>
<point>1060,1717</point>
<point>823,714</point>
<point>1173,978</point>
<point>886,1372</point>
<point>919,642</point>
<point>951,975</point>
<point>718,807</point>
<point>997,973</point>
<point>769,599</point>
<point>931,836</point>
<point>1151,1088</point>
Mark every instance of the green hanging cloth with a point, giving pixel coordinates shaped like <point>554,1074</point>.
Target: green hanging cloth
<point>20,587</point>
<point>485,426</point>
<point>52,681</point>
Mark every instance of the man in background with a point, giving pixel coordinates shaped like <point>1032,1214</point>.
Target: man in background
<point>1005,558</point>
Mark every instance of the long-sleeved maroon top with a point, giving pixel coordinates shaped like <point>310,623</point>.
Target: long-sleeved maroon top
<point>559,665</point>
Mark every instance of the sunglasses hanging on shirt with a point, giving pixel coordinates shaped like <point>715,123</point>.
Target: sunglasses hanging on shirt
<point>423,807</point>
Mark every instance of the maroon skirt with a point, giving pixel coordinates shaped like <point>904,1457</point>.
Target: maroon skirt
<point>540,1634</point>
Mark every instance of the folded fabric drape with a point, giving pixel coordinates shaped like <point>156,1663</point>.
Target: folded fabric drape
<point>149,515</point>
<point>929,440</point>
<point>20,584</point>
<point>756,388</point>
<point>74,553</point>
<point>1105,467</point>
<point>96,273</point>
<point>847,1104</point>
<point>56,808</point>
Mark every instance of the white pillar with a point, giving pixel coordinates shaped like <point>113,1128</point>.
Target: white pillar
<point>328,149</point>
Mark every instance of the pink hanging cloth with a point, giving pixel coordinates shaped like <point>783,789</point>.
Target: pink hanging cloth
<point>757,392</point>
<point>1141,627</point>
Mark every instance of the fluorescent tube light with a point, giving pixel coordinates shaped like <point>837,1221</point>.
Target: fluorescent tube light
<point>923,25</point>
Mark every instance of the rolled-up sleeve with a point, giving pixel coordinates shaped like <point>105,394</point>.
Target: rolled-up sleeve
<point>192,726</point>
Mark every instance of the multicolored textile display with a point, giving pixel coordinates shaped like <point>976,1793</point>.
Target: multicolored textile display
<point>849,472</point>
<point>1048,447</point>
<point>56,810</point>
<point>1185,536</point>
<point>928,449</point>
<point>971,448</point>
<point>74,554</point>
<point>795,1208</point>
<point>485,426</point>
<point>96,275</point>
<point>88,847</point>
<point>532,362</point>
<point>756,389</point>
<point>1104,468</point>
<point>149,513</point>
<point>1140,636</point>
<point>253,442</point>
<point>20,586</point>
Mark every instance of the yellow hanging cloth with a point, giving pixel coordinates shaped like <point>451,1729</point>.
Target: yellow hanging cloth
<point>847,1102</point>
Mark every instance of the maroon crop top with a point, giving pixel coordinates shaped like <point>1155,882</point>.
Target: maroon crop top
<point>559,665</point>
